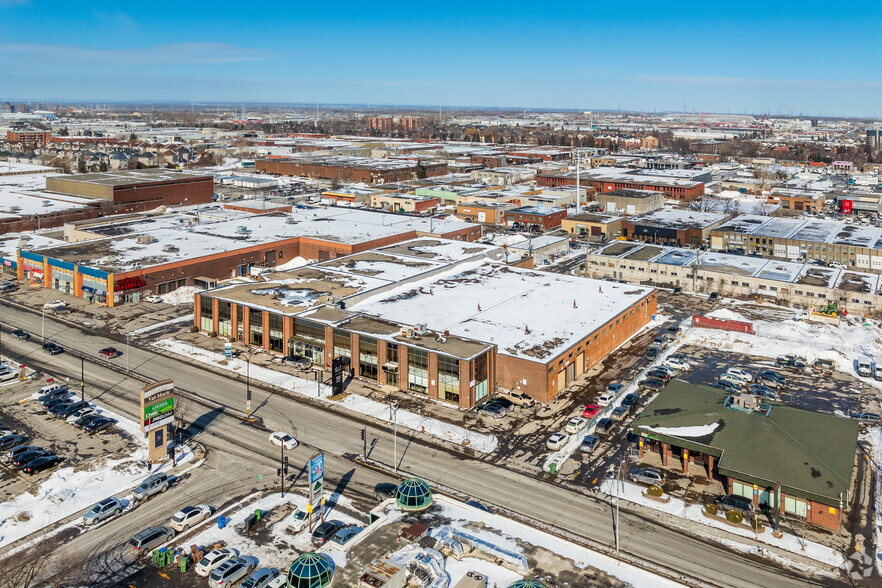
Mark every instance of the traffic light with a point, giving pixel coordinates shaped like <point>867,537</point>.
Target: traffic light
<point>285,465</point>
<point>279,472</point>
<point>363,433</point>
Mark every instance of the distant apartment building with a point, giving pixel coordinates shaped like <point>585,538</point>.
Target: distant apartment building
<point>874,137</point>
<point>380,123</point>
<point>30,137</point>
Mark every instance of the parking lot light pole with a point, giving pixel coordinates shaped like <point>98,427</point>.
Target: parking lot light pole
<point>248,383</point>
<point>393,410</point>
<point>82,378</point>
<point>43,324</point>
<point>127,350</point>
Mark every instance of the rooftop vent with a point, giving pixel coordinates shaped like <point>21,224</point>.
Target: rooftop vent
<point>170,248</point>
<point>291,220</point>
<point>145,239</point>
<point>47,203</point>
<point>242,230</point>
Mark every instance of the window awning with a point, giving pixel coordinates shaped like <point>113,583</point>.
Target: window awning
<point>390,366</point>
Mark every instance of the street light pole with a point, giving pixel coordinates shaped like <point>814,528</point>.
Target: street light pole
<point>82,378</point>
<point>43,325</point>
<point>248,384</point>
<point>127,350</point>
<point>393,410</point>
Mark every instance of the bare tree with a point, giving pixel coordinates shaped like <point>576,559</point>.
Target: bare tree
<point>704,203</point>
<point>30,568</point>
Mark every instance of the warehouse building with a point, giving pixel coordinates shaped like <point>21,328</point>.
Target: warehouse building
<point>795,284</point>
<point>156,186</point>
<point>353,169</point>
<point>535,217</point>
<point>484,212</point>
<point>631,201</point>
<point>599,227</point>
<point>702,431</point>
<point>442,319</point>
<point>673,226</point>
<point>838,242</point>
<point>610,179</point>
<point>114,262</point>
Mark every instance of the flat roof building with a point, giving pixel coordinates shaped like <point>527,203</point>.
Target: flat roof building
<point>673,226</point>
<point>441,318</point>
<point>627,201</point>
<point>162,187</point>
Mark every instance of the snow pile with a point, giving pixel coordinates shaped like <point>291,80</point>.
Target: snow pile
<point>293,264</point>
<point>188,318</point>
<point>453,433</point>
<point>875,439</point>
<point>676,507</point>
<point>726,314</point>
<point>180,296</point>
<point>696,431</point>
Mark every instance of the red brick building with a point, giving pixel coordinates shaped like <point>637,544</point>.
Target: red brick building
<point>30,137</point>
<point>536,216</point>
<point>354,169</point>
<point>672,188</point>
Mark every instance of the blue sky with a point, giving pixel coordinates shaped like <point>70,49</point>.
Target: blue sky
<point>759,57</point>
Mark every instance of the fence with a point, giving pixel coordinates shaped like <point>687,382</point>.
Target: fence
<point>706,322</point>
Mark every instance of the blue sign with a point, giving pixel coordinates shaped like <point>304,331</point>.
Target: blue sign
<point>316,467</point>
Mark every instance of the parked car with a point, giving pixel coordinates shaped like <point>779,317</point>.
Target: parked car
<point>85,420</point>
<point>659,375</point>
<point>385,490</point>
<point>651,384</point>
<point>153,299</point>
<point>325,531</point>
<point>77,415</point>
<point>502,402</point>
<point>735,502</point>
<point>298,361</point>
<point>556,441</point>
<point>877,374</point>
<point>630,400</point>
<point>740,374</point>
<point>52,348</point>
<point>280,438</point>
<point>8,287</point>
<point>110,352</point>
<point>55,389</point>
<point>660,342</point>
<point>20,334</point>
<point>260,578</point>
<point>231,571</point>
<point>590,410</point>
<point>61,394</point>
<point>58,407</point>
<point>605,398</point>
<point>589,443</point>
<point>678,290</point>
<point>492,410</point>
<point>677,364</point>
<point>98,425</point>
<point>825,366</point>
<point>23,459</point>
<point>345,535</point>
<point>213,559</point>
<point>771,379</point>
<point>188,516</point>
<point>299,519</point>
<point>152,537</point>
<point>734,380</point>
<point>575,425</point>
<point>868,418</point>
<point>791,362</point>
<point>728,386</point>
<point>648,476</point>
<point>103,510</point>
<point>618,413</point>
<point>18,450</point>
<point>519,398</point>
<point>713,296</point>
<point>763,390</point>
<point>55,304</point>
<point>280,582</point>
<point>74,407</point>
<point>11,440</point>
<point>42,463</point>
<point>152,485</point>
<point>7,373</point>
<point>652,353</point>
<point>604,426</point>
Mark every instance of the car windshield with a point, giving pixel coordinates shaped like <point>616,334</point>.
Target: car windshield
<point>286,438</point>
<point>300,515</point>
<point>97,508</point>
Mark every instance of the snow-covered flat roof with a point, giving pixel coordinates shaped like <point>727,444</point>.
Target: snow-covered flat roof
<point>529,314</point>
<point>813,230</point>
<point>679,218</point>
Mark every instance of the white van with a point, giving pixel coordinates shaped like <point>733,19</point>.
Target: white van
<point>864,369</point>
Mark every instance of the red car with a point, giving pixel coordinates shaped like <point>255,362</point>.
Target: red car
<point>590,411</point>
<point>109,352</point>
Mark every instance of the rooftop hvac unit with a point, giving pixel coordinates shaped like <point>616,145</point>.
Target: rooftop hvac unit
<point>291,220</point>
<point>243,230</point>
<point>407,333</point>
<point>145,239</point>
<point>421,329</point>
<point>14,208</point>
<point>170,248</point>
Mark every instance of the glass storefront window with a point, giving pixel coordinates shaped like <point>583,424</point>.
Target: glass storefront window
<point>205,318</point>
<point>276,337</point>
<point>342,344</point>
<point>367,357</point>
<point>481,377</point>
<point>224,318</point>
<point>417,370</point>
<point>448,378</point>
<point>392,357</point>
<point>255,327</point>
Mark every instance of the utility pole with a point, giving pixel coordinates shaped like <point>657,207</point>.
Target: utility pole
<point>82,378</point>
<point>127,349</point>
<point>364,442</point>
<point>248,385</point>
<point>43,325</point>
<point>618,483</point>
<point>393,416</point>
<point>283,469</point>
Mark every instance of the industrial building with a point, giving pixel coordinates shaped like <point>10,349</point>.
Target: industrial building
<point>797,461</point>
<point>154,186</point>
<point>630,201</point>
<point>353,169</point>
<point>444,319</point>
<point>673,226</point>
<point>535,216</point>
<point>608,179</point>
<point>795,284</point>
<point>838,242</point>
<point>598,227</point>
<point>112,261</point>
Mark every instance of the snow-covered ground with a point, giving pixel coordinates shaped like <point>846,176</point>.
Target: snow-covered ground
<point>71,489</point>
<point>676,507</point>
<point>874,438</point>
<point>188,318</point>
<point>436,428</point>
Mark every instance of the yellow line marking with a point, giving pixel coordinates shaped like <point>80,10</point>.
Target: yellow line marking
<point>163,575</point>
<point>594,481</point>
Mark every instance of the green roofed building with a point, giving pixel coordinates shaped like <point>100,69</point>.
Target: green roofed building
<point>806,457</point>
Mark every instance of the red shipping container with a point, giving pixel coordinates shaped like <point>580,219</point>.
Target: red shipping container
<point>706,322</point>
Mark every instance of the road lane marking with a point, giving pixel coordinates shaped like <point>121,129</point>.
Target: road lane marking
<point>594,481</point>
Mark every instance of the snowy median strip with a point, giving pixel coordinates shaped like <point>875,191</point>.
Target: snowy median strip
<point>354,402</point>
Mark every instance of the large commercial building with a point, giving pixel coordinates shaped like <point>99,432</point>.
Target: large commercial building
<point>111,261</point>
<point>353,169</point>
<point>444,319</point>
<point>849,244</point>
<point>778,457</point>
<point>158,186</point>
<point>611,179</point>
<point>673,226</point>
<point>788,283</point>
<point>631,201</point>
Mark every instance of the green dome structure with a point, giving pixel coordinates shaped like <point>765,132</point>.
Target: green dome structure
<point>414,495</point>
<point>310,570</point>
<point>527,584</point>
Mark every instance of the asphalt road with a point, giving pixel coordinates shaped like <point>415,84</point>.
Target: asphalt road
<point>339,436</point>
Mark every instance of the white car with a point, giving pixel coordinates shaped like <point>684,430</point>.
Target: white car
<point>557,441</point>
<point>231,571</point>
<point>605,398</point>
<point>81,413</point>
<point>672,372</point>
<point>153,298</point>
<point>213,559</point>
<point>678,364</point>
<point>743,375</point>
<point>279,582</point>
<point>575,425</point>
<point>298,521</point>
<point>731,379</point>
<point>55,304</point>
<point>280,438</point>
<point>189,516</point>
